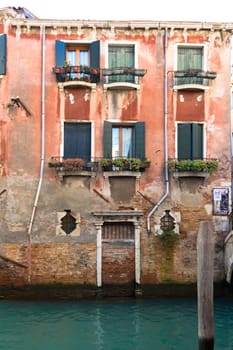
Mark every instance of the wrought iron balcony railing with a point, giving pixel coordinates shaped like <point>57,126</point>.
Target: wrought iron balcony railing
<point>77,73</point>
<point>100,164</point>
<point>122,74</point>
<point>94,75</point>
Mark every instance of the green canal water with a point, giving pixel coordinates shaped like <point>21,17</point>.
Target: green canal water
<point>111,324</point>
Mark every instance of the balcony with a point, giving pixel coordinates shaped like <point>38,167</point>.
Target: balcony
<point>193,77</point>
<point>77,73</point>
<point>81,167</point>
<point>93,75</point>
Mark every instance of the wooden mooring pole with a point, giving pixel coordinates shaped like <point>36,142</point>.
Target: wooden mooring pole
<point>205,288</point>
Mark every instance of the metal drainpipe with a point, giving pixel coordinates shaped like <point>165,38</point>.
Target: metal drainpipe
<point>164,196</point>
<point>42,151</point>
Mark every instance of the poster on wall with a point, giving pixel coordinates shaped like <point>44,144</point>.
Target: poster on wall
<point>220,201</point>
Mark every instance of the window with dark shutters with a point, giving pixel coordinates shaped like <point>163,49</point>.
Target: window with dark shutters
<point>93,49</point>
<point>190,140</point>
<point>138,140</point>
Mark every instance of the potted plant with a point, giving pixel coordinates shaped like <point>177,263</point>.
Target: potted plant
<point>118,163</point>
<point>145,163</point>
<point>55,162</point>
<point>135,164</point>
<point>139,72</point>
<point>106,164</point>
<point>73,163</point>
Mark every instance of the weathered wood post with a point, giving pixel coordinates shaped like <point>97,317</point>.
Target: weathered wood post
<point>205,289</point>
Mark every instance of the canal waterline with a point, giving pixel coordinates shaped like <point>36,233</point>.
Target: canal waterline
<point>110,324</point>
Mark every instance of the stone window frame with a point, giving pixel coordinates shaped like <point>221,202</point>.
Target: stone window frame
<point>60,231</point>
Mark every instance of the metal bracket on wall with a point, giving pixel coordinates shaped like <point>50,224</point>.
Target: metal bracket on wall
<point>17,102</point>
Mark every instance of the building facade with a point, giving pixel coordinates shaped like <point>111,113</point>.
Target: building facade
<point>115,143</point>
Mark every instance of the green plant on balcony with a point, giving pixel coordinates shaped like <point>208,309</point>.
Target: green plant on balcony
<point>145,163</point>
<point>106,164</point>
<point>123,164</point>
<point>197,165</point>
<point>135,163</point>
<point>118,162</point>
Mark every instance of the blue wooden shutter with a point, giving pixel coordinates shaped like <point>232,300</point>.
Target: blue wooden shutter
<point>184,141</point>
<point>197,141</point>
<point>95,54</point>
<point>140,140</point>
<point>60,49</point>
<point>95,59</point>
<point>107,140</point>
<point>2,54</point>
<point>77,140</point>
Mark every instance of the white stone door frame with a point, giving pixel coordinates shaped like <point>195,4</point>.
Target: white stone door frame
<point>115,216</point>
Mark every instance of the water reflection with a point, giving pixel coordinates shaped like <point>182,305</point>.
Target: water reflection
<point>130,324</point>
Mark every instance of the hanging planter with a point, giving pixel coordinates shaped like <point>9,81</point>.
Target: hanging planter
<point>139,72</point>
<point>211,75</point>
<point>114,71</point>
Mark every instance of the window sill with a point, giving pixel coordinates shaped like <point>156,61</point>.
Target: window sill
<point>63,173</point>
<point>118,173</point>
<point>187,174</point>
<point>91,86</point>
<point>121,86</point>
<point>190,87</point>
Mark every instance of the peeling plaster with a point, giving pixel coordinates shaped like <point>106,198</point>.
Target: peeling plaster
<point>71,98</point>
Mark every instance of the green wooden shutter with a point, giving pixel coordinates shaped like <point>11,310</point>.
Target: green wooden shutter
<point>197,141</point>
<point>2,54</point>
<point>190,58</point>
<point>184,139</point>
<point>107,140</point>
<point>60,50</point>
<point>121,56</point>
<point>140,140</point>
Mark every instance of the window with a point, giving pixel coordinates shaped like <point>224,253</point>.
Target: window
<point>68,222</point>
<point>190,141</point>
<point>77,56</point>
<point>121,56</point>
<point>77,140</point>
<point>190,59</point>
<point>124,140</point>
<point>2,54</point>
<point>86,55</point>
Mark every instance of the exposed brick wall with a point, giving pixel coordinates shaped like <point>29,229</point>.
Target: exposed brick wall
<point>118,263</point>
<point>50,263</point>
<point>11,273</point>
<point>64,263</point>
